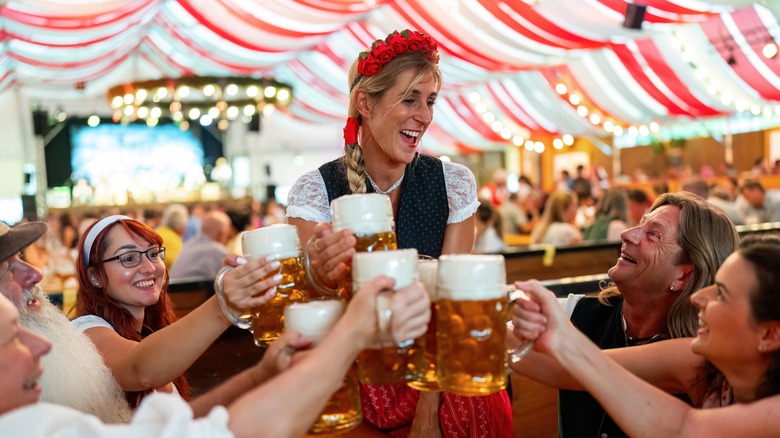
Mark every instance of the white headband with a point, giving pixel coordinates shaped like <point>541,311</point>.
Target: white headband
<point>96,230</point>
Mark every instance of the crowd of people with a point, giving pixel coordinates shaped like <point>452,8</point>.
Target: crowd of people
<point>586,209</point>
<point>689,310</point>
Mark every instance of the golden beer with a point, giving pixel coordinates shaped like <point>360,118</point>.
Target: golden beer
<point>397,364</point>
<point>342,412</point>
<point>426,270</point>
<point>393,364</point>
<point>268,319</point>
<point>384,241</point>
<point>471,357</point>
<point>471,315</point>
<point>314,320</point>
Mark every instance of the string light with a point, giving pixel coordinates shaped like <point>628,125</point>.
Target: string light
<point>209,100</point>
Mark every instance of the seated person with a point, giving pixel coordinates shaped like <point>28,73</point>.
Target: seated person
<point>731,364</point>
<point>275,409</point>
<point>124,308</point>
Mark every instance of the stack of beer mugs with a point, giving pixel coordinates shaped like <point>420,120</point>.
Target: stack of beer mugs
<point>370,218</point>
<point>463,351</point>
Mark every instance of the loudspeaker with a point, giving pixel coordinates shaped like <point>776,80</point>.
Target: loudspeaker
<point>40,121</point>
<point>254,124</point>
<point>635,15</point>
<point>29,206</point>
<point>270,191</point>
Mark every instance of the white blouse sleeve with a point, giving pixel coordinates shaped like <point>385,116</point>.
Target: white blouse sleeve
<point>308,198</point>
<point>461,192</point>
<point>159,416</point>
<point>87,322</point>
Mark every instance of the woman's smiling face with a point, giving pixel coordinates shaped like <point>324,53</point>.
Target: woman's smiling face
<point>399,119</point>
<point>137,287</point>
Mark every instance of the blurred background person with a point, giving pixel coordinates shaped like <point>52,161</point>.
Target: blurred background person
<point>638,205</point>
<point>556,226</point>
<point>488,230</point>
<point>496,191</point>
<point>240,221</point>
<point>611,217</point>
<point>758,207</point>
<point>202,255</point>
<point>514,217</point>
<point>197,210</point>
<point>172,226</point>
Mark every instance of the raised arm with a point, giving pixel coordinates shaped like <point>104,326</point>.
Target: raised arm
<point>280,408</point>
<point>529,323</point>
<point>623,394</point>
<point>276,359</point>
<point>166,354</point>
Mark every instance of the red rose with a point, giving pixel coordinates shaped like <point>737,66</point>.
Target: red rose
<point>371,67</point>
<point>386,56</point>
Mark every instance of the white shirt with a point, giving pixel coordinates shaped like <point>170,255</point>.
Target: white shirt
<point>159,416</point>
<point>308,197</point>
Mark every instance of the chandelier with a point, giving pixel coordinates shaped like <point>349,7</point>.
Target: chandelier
<point>198,99</point>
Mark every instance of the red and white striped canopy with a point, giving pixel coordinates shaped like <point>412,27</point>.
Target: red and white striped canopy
<point>514,69</point>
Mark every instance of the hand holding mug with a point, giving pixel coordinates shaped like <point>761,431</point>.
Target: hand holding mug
<point>540,318</point>
<point>329,254</point>
<point>243,284</point>
<point>279,356</point>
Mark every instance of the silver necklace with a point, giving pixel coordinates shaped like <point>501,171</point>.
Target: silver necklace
<point>392,187</point>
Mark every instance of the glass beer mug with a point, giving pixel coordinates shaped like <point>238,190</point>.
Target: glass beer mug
<point>314,320</point>
<point>398,364</point>
<point>471,316</point>
<point>277,242</point>
<point>370,218</point>
<point>426,271</point>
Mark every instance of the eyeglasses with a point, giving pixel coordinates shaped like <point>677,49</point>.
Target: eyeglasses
<point>131,259</point>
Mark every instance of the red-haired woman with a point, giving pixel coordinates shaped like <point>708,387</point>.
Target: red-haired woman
<point>124,308</point>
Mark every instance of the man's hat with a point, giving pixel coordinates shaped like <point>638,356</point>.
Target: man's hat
<point>15,239</point>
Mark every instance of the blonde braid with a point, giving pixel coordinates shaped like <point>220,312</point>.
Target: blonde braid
<point>356,169</point>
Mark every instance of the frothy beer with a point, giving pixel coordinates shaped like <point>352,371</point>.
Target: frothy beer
<point>399,364</point>
<point>426,271</point>
<point>471,315</point>
<point>278,242</point>
<point>315,320</point>
<point>370,218</point>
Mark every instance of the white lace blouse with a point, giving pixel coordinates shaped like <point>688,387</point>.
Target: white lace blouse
<point>308,197</point>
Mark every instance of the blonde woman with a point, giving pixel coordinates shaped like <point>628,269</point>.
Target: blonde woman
<point>556,226</point>
<point>393,87</point>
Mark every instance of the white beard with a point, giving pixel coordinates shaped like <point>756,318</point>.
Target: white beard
<point>74,373</point>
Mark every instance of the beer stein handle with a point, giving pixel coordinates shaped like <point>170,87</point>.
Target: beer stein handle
<point>321,289</point>
<point>236,317</point>
<point>518,353</point>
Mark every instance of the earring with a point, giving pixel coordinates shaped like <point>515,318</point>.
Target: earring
<point>671,288</point>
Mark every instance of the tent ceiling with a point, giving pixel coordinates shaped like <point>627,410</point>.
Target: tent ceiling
<point>513,68</point>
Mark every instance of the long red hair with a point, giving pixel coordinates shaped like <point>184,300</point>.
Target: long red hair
<point>93,300</point>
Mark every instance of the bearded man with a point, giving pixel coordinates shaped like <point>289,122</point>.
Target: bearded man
<point>75,373</point>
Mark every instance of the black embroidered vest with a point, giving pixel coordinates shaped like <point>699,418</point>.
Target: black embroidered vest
<point>422,210</point>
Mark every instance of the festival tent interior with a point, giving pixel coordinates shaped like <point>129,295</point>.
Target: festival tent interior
<point>618,72</point>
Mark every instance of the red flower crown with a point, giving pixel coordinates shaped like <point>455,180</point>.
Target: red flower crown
<point>397,43</point>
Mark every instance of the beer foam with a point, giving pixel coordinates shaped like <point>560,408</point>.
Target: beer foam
<point>365,213</point>
<point>426,271</point>
<point>467,277</point>
<point>313,319</point>
<point>278,241</point>
<point>400,264</point>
